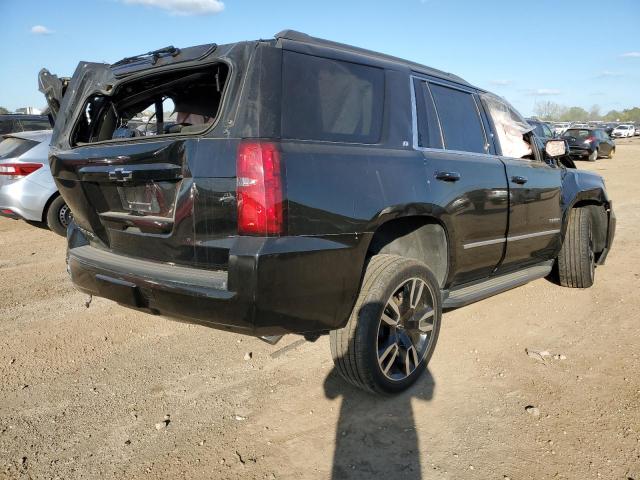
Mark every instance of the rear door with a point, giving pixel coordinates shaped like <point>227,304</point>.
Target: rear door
<point>463,175</point>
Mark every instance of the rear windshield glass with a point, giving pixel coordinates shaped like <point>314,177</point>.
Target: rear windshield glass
<point>575,133</point>
<point>31,125</point>
<point>12,147</point>
<point>172,103</point>
<point>331,100</point>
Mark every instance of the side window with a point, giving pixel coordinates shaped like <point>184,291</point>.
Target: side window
<point>459,119</point>
<point>547,131</point>
<point>427,119</point>
<point>331,100</point>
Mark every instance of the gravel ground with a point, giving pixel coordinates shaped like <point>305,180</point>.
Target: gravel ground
<point>106,392</point>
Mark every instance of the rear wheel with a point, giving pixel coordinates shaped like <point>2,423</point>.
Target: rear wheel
<point>593,156</point>
<point>393,329</point>
<point>58,216</point>
<point>611,153</point>
<point>576,261</point>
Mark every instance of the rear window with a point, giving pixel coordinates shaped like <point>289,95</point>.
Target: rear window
<point>12,147</point>
<point>181,102</point>
<point>6,126</point>
<point>31,125</point>
<point>331,100</point>
<point>577,133</point>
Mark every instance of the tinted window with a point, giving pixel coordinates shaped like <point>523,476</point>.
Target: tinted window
<point>428,128</point>
<point>326,99</point>
<point>577,133</point>
<point>6,126</point>
<point>459,119</point>
<point>12,147</point>
<point>30,125</point>
<point>547,131</point>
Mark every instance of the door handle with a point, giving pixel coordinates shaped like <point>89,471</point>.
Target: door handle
<point>519,180</point>
<point>448,176</point>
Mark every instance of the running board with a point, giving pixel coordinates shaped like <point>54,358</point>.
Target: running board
<point>465,295</point>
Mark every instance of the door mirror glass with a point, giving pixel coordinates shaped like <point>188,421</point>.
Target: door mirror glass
<point>555,148</point>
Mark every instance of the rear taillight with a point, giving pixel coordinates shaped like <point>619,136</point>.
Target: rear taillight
<point>259,189</point>
<point>18,170</point>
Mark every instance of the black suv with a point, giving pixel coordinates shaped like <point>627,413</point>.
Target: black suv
<point>312,187</point>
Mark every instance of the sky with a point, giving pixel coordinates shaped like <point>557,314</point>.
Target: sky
<point>571,52</point>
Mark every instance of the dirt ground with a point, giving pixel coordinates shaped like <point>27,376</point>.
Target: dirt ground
<point>106,392</point>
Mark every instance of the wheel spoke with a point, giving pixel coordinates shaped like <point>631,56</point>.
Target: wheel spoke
<point>388,357</point>
<point>423,323</point>
<point>417,286</point>
<point>396,313</point>
<point>411,356</point>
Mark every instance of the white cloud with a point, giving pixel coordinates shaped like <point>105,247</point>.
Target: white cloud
<point>607,73</point>
<point>501,83</point>
<point>183,7</point>
<point>41,30</point>
<point>631,54</point>
<point>544,92</point>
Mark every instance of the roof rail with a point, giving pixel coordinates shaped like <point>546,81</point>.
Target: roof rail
<point>301,37</point>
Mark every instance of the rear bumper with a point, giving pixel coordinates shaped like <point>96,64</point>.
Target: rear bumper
<point>580,151</point>
<point>26,199</point>
<point>273,285</point>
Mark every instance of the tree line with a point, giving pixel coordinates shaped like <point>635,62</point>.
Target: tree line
<point>551,111</point>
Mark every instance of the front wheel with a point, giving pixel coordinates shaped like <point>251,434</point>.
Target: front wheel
<point>593,156</point>
<point>58,216</point>
<point>576,261</point>
<point>393,328</point>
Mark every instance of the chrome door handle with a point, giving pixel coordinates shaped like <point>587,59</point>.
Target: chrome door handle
<point>448,176</point>
<point>519,180</point>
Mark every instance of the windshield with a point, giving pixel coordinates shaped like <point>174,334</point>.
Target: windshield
<point>575,133</point>
<point>623,127</point>
<point>14,147</point>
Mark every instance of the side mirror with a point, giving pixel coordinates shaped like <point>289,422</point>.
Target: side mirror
<point>555,148</point>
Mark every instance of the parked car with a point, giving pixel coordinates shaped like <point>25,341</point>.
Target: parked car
<point>622,131</point>
<point>10,123</point>
<point>591,143</point>
<point>27,189</point>
<point>559,128</point>
<point>323,188</point>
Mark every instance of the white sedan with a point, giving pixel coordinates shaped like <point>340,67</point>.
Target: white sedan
<point>623,131</point>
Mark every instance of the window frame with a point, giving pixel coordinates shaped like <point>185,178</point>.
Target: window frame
<point>488,135</point>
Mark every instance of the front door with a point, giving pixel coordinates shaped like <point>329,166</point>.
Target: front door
<point>534,212</point>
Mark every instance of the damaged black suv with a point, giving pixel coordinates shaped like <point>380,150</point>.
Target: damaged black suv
<point>298,185</point>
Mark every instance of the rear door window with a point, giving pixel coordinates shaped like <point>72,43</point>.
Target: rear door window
<point>459,119</point>
<point>331,100</point>
<point>427,119</point>
<point>12,147</point>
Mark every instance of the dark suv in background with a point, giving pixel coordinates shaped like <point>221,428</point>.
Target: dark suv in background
<point>589,143</point>
<point>313,187</point>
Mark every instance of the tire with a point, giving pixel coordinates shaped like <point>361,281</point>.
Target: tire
<point>612,152</point>
<point>395,291</point>
<point>576,261</point>
<point>58,216</point>
<point>593,156</point>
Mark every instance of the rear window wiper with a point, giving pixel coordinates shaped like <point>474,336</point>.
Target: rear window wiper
<point>154,54</point>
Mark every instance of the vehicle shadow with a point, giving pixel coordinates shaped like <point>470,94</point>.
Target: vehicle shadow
<point>376,436</point>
